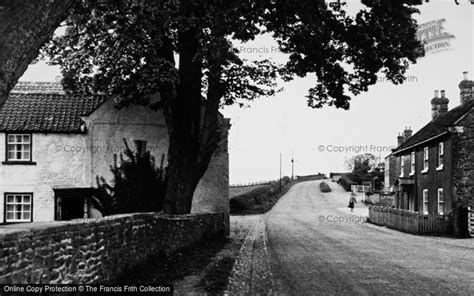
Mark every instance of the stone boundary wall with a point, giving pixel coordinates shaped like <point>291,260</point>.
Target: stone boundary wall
<point>97,250</point>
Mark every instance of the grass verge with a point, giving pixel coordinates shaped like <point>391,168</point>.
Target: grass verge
<point>261,199</point>
<point>203,269</point>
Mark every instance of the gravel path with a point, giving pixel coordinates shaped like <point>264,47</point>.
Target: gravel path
<point>318,246</point>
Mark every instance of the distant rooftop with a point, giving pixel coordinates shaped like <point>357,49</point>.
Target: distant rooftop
<point>33,87</point>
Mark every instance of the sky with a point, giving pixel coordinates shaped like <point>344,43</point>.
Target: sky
<point>321,140</point>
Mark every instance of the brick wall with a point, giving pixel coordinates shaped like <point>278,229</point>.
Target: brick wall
<point>97,251</point>
<point>463,169</point>
<point>391,170</point>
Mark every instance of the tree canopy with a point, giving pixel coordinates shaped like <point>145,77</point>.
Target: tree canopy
<point>364,167</point>
<point>184,50</point>
<point>129,47</point>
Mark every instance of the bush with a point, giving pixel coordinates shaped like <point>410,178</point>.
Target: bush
<point>285,180</point>
<point>324,187</point>
<point>346,182</point>
<point>137,186</point>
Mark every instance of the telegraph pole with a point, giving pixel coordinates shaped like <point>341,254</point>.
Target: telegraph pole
<point>280,171</point>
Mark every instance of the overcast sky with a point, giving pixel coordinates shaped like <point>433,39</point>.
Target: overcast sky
<point>284,124</point>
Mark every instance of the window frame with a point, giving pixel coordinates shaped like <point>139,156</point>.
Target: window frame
<point>412,163</point>
<point>425,202</point>
<point>5,203</point>
<point>440,156</point>
<point>440,202</point>
<point>402,165</point>
<point>426,159</point>
<point>18,161</point>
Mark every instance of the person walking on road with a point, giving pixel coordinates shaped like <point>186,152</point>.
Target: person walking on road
<point>352,201</point>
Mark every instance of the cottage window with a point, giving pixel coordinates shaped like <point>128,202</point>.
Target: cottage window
<point>440,201</point>
<point>440,156</point>
<point>425,201</point>
<point>412,163</point>
<point>425,159</point>
<point>18,207</point>
<point>18,147</point>
<point>402,165</point>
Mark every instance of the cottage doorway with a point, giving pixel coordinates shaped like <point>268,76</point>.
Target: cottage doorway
<point>71,203</point>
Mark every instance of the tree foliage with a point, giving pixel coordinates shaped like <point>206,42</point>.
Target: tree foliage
<point>120,47</point>
<point>364,167</point>
<point>184,50</point>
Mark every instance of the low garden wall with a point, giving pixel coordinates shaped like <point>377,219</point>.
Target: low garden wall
<point>99,250</point>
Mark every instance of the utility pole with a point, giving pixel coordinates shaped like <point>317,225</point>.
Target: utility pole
<point>280,171</point>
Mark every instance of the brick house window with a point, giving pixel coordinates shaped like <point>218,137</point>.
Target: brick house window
<point>425,159</point>
<point>440,201</point>
<point>402,165</point>
<point>425,201</point>
<point>18,147</point>
<point>18,207</point>
<point>440,156</point>
<point>412,163</point>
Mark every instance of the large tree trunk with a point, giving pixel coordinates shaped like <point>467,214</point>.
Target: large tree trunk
<point>192,127</point>
<point>183,122</point>
<point>25,26</point>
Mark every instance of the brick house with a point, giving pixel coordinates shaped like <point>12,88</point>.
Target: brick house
<point>54,145</point>
<point>435,166</point>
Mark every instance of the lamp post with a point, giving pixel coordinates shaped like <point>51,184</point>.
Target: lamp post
<point>292,167</point>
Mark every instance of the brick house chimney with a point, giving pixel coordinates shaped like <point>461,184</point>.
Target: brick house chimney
<point>400,139</point>
<point>466,88</point>
<point>439,105</point>
<point>407,133</point>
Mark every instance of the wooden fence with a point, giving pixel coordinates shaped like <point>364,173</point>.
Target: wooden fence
<point>471,220</point>
<point>252,183</point>
<point>409,221</point>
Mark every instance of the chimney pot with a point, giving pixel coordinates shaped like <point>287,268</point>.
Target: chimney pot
<point>436,93</point>
<point>465,74</point>
<point>443,93</point>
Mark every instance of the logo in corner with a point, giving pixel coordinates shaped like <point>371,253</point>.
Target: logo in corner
<point>433,36</point>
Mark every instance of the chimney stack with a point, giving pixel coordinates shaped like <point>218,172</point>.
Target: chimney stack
<point>466,88</point>
<point>439,105</point>
<point>400,139</point>
<point>407,133</point>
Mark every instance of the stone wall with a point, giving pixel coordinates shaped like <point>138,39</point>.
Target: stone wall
<point>96,251</point>
<point>463,172</point>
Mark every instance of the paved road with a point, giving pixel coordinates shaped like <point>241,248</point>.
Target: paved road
<point>313,253</point>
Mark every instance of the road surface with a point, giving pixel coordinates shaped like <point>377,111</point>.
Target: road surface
<point>318,247</point>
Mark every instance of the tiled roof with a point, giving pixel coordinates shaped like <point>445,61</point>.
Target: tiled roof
<point>45,109</point>
<point>437,127</point>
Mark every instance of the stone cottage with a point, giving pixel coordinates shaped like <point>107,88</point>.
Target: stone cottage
<point>435,166</point>
<point>54,145</point>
